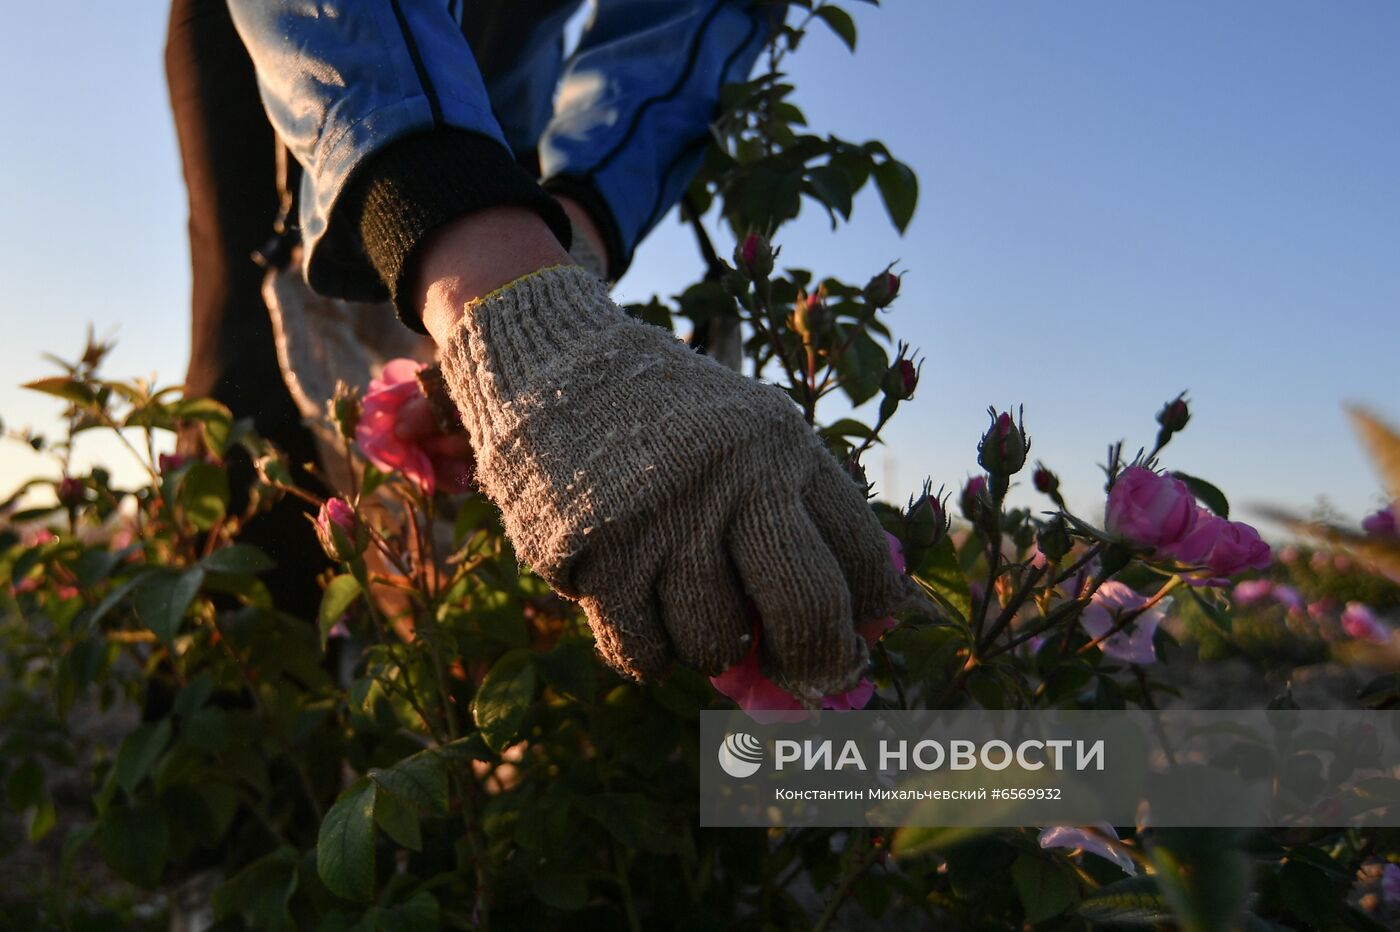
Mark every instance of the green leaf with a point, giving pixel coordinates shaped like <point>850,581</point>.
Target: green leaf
<point>135,843</point>
<point>899,189</point>
<point>109,601</point>
<point>260,892</point>
<point>420,779</point>
<point>61,386</point>
<point>941,571</point>
<point>832,187</point>
<point>504,698</point>
<point>840,22</point>
<point>560,889</point>
<point>1045,890</point>
<point>570,669</point>
<point>161,604</point>
<point>40,819</point>
<point>418,913</point>
<point>1213,612</point>
<point>340,594</point>
<point>398,817</point>
<point>140,751</point>
<point>204,494</point>
<point>861,368</point>
<point>239,558</point>
<point>1206,494</point>
<point>345,845</point>
<point>1132,901</point>
<point>848,427</point>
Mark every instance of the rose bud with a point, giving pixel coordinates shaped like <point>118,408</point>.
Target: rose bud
<point>1053,539</point>
<point>1172,417</point>
<point>70,492</point>
<point>169,462</point>
<point>882,289</point>
<point>754,257</point>
<point>926,523</point>
<point>343,536</point>
<point>1174,414</point>
<point>345,409</point>
<point>973,498</point>
<point>856,471</point>
<point>901,379</point>
<point>1002,451</point>
<point>810,315</point>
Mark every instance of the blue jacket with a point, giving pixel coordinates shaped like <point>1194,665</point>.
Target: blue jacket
<point>627,112</point>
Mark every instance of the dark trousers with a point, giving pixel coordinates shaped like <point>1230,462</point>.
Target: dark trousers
<point>228,151</point>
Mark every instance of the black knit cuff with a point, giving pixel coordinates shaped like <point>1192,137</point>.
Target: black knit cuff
<point>419,183</point>
<point>585,194</point>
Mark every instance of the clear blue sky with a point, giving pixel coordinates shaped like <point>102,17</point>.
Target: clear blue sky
<point>1119,201</point>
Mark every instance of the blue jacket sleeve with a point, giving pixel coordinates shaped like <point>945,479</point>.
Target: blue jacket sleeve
<point>632,116</point>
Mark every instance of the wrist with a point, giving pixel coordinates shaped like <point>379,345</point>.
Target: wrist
<point>470,257</point>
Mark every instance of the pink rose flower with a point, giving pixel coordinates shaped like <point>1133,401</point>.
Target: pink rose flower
<point>1226,548</point>
<point>1289,598</point>
<point>1251,591</point>
<point>391,447</point>
<point>1382,523</point>
<point>1103,841</point>
<point>1134,643</point>
<point>1361,623</point>
<point>340,531</point>
<point>1150,510</point>
<point>747,685</point>
<point>1390,884</point>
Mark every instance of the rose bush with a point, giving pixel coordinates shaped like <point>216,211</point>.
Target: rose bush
<point>168,728</point>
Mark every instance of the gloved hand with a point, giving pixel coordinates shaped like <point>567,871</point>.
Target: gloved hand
<point>659,489</point>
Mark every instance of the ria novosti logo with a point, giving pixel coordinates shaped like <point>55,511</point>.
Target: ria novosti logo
<point>740,754</point>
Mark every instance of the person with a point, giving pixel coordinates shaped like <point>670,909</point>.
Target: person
<point>659,489</point>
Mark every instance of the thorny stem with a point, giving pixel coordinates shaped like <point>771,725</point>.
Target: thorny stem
<point>1012,606</point>
<point>859,855</point>
<point>894,674</point>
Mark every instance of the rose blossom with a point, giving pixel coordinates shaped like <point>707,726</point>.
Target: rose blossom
<point>1252,590</point>
<point>1361,623</point>
<point>342,535</point>
<point>747,685</point>
<point>1103,841</point>
<point>1390,884</point>
<point>386,445</point>
<point>1289,598</point>
<point>1382,523</point>
<point>1148,509</point>
<point>1134,643</point>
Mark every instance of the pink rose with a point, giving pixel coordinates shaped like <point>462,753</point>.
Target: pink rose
<point>1150,510</point>
<point>1361,623</point>
<point>1390,884</point>
<point>1382,523</point>
<point>395,443</point>
<point>1252,590</point>
<point>1289,598</point>
<point>1224,547</point>
<point>340,531</point>
<point>1134,643</point>
<point>1103,841</point>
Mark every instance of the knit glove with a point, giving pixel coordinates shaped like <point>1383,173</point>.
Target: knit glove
<point>659,489</point>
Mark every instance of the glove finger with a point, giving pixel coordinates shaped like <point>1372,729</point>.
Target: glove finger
<point>627,627</point>
<point>703,609</point>
<point>801,595</point>
<point>861,547</point>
